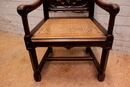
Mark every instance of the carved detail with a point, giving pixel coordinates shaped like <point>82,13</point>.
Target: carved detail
<point>68,3</point>
<point>68,47</point>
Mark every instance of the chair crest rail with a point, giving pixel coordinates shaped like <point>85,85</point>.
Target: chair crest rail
<point>68,4</point>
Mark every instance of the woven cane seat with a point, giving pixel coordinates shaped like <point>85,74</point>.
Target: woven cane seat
<point>68,28</point>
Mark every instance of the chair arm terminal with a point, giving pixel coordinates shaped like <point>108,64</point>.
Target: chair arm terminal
<point>25,9</point>
<point>111,8</point>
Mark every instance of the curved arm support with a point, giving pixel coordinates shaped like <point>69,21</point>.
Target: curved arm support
<point>111,8</point>
<point>25,9</point>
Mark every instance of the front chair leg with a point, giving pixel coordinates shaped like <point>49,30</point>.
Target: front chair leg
<point>34,62</point>
<point>103,64</point>
<point>37,76</point>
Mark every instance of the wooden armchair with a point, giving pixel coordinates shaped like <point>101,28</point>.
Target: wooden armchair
<point>68,32</point>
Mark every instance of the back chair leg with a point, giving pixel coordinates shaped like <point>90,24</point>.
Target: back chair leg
<point>103,64</point>
<point>35,66</point>
<point>50,49</point>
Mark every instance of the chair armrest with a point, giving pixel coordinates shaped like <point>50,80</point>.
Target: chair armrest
<point>111,8</point>
<point>25,9</point>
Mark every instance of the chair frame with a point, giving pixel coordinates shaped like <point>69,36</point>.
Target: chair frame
<point>106,45</point>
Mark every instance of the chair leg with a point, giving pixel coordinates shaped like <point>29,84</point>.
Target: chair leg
<point>50,49</point>
<point>34,62</point>
<point>87,49</point>
<point>103,64</point>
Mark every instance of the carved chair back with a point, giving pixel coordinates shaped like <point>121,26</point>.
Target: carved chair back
<point>69,5</point>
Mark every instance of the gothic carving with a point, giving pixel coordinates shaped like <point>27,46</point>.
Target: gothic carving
<point>68,3</point>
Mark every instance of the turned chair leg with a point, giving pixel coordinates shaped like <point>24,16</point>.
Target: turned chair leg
<point>34,62</point>
<point>103,64</point>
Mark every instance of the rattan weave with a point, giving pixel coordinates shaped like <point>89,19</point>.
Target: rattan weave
<point>68,28</point>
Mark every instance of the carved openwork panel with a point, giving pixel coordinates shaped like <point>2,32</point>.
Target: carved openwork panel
<point>68,4</point>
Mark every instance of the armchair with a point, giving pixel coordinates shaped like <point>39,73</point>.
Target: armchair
<point>68,32</point>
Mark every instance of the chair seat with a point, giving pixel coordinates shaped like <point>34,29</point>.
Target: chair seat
<point>70,28</point>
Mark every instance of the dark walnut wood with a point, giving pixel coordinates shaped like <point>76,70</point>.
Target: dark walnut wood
<point>68,32</point>
<point>68,5</point>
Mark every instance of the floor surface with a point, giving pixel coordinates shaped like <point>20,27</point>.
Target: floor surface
<point>16,70</point>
